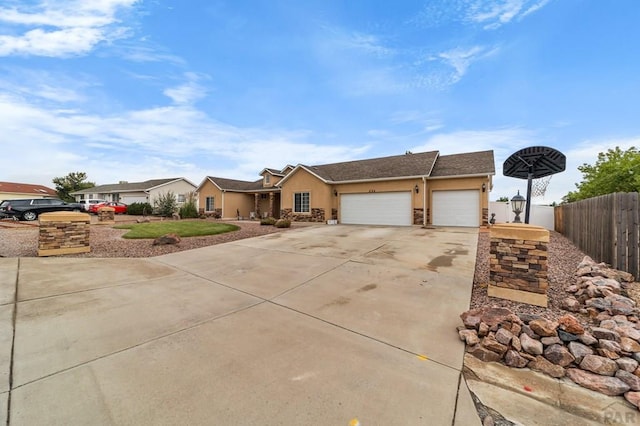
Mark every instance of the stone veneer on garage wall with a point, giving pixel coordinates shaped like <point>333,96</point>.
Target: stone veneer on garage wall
<point>63,233</point>
<point>317,215</point>
<point>518,263</point>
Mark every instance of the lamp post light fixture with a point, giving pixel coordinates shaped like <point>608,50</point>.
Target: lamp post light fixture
<point>517,205</point>
<point>417,189</point>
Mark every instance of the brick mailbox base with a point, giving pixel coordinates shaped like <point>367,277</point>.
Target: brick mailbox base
<point>518,263</point>
<point>106,216</point>
<point>63,233</point>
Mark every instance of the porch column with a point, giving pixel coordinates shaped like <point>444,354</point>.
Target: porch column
<point>256,204</point>
<point>271,200</point>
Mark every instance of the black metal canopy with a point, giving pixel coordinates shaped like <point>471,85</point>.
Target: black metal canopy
<point>534,162</point>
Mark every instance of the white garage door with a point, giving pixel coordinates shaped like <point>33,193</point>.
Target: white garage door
<point>456,208</point>
<point>380,208</point>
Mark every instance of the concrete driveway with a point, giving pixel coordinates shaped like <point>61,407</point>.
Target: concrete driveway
<point>330,325</point>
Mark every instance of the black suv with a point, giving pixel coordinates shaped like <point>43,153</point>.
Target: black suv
<point>31,208</point>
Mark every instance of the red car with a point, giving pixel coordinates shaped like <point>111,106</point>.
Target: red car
<point>120,208</point>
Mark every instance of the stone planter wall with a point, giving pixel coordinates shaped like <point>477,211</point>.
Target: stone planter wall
<point>63,233</point>
<point>106,216</point>
<point>317,215</point>
<point>518,263</point>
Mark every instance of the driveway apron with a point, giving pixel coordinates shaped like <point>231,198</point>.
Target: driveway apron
<point>317,325</point>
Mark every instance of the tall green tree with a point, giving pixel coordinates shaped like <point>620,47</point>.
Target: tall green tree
<point>74,181</point>
<point>614,171</point>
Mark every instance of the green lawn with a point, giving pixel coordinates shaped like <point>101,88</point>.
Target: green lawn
<point>184,228</point>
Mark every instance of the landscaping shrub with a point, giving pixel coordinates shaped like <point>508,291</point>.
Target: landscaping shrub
<point>267,221</point>
<point>283,223</point>
<point>189,209</point>
<point>166,204</point>
<point>139,209</point>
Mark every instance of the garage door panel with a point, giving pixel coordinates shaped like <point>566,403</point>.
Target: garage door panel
<point>456,208</point>
<point>386,208</point>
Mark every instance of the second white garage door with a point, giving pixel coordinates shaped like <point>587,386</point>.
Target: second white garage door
<point>456,208</point>
<point>380,208</point>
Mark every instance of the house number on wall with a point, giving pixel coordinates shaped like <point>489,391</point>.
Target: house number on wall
<point>372,190</point>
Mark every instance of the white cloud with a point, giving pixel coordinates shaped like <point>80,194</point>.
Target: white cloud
<point>61,28</point>
<point>491,14</point>
<point>148,143</point>
<point>188,92</point>
<point>354,41</point>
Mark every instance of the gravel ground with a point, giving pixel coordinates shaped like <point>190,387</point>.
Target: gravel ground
<point>107,242</point>
<point>563,257</point>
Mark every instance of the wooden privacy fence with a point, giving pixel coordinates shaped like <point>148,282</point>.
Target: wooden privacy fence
<point>605,228</point>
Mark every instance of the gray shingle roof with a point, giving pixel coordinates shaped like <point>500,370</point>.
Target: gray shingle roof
<point>236,185</point>
<point>398,166</point>
<point>126,187</point>
<point>471,163</point>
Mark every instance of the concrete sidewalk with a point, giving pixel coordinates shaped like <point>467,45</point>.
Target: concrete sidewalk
<point>317,325</point>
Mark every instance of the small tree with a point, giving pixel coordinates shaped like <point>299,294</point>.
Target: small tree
<point>189,208</point>
<point>503,200</point>
<point>166,204</point>
<point>72,182</point>
<point>614,171</point>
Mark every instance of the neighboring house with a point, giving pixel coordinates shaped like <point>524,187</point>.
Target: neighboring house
<point>420,189</point>
<point>15,191</point>
<point>229,198</point>
<point>138,192</point>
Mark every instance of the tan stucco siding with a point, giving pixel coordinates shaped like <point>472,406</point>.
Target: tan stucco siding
<point>235,202</point>
<point>209,190</point>
<point>320,195</point>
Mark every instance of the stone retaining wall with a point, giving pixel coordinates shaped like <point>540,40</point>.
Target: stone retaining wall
<point>317,215</point>
<point>63,233</point>
<point>518,263</point>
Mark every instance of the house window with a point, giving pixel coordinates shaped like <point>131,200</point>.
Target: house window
<point>209,204</point>
<point>301,202</point>
<point>267,179</point>
<point>181,198</point>
<point>264,196</point>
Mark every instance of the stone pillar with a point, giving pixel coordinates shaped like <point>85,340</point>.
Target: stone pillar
<point>271,200</point>
<point>106,216</point>
<point>518,263</point>
<point>63,233</point>
<point>256,205</point>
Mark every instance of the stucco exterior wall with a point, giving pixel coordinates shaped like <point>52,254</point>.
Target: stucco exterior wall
<point>320,194</point>
<point>208,189</point>
<point>235,202</point>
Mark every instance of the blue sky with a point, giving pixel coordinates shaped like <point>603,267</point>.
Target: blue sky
<point>139,89</point>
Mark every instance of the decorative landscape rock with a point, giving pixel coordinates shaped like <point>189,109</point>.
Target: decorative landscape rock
<point>631,380</point>
<point>596,344</point>
<point>599,365</point>
<point>559,355</point>
<point>531,346</point>
<point>167,239</point>
<point>607,385</point>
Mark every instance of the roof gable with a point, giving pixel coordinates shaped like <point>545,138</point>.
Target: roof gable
<point>225,184</point>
